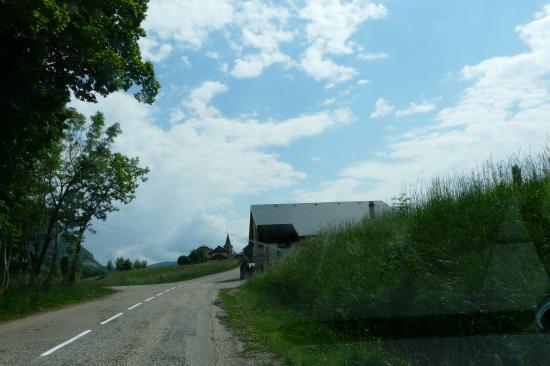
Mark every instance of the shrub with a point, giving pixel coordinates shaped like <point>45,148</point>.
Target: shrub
<point>183,259</point>
<point>197,256</point>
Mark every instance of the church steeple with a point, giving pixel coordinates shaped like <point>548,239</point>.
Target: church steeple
<point>227,246</point>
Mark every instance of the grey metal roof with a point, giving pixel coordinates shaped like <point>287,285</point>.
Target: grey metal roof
<point>309,218</point>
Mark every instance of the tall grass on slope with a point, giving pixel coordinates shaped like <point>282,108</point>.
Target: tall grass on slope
<point>21,299</point>
<point>474,243</point>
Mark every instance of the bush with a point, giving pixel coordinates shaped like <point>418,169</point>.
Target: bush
<point>197,256</point>
<point>183,259</point>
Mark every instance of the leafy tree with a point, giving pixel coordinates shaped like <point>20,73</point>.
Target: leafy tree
<point>119,264</point>
<point>127,265</point>
<point>183,260</point>
<point>50,51</point>
<point>140,264</point>
<point>6,231</point>
<point>109,266</point>
<point>197,256</point>
<point>106,178</point>
<point>86,182</point>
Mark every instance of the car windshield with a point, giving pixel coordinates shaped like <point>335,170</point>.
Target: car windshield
<point>274,182</point>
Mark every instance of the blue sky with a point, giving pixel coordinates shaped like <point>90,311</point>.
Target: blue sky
<point>318,100</point>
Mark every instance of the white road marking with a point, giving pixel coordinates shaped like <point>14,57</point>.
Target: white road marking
<point>134,306</point>
<point>149,299</point>
<point>65,343</point>
<point>111,318</point>
<point>160,293</point>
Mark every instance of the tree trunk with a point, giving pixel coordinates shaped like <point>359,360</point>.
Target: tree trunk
<point>54,216</point>
<point>40,259</point>
<point>53,265</point>
<point>76,259</point>
<point>5,257</point>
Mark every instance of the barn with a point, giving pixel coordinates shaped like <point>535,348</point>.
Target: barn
<point>274,228</point>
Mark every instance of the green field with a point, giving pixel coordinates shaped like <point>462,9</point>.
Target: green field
<point>21,299</point>
<point>465,257</point>
<point>150,276</point>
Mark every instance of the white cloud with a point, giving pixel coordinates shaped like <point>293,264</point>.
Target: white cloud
<point>372,56</point>
<point>414,108</point>
<point>254,64</point>
<point>176,115</point>
<point>320,67</point>
<point>363,82</point>
<point>504,111</point>
<point>185,61</point>
<point>224,68</point>
<point>199,99</point>
<point>198,165</point>
<point>256,30</point>
<point>187,22</point>
<point>262,27</point>
<point>344,189</point>
<point>330,25</point>
<point>152,50</point>
<point>206,229</point>
<point>382,107</point>
<point>213,55</point>
<point>328,101</point>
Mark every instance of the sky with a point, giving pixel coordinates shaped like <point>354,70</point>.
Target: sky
<point>317,100</point>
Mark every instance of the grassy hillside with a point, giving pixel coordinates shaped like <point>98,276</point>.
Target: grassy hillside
<point>22,300</point>
<point>148,276</point>
<point>467,255</point>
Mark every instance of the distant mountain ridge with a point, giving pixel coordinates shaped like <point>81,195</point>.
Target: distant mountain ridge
<point>87,261</point>
<point>162,264</point>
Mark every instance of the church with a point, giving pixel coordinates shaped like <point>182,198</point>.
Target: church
<point>222,253</point>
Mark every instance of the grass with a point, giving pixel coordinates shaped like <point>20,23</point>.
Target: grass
<point>150,276</point>
<point>21,300</point>
<point>463,247</point>
<point>295,337</point>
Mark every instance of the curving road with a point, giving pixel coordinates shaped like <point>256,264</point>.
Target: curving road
<point>167,324</point>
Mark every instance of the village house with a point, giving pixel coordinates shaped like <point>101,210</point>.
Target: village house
<point>222,253</point>
<point>274,228</point>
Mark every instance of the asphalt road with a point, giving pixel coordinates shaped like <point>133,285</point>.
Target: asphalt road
<point>174,324</point>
